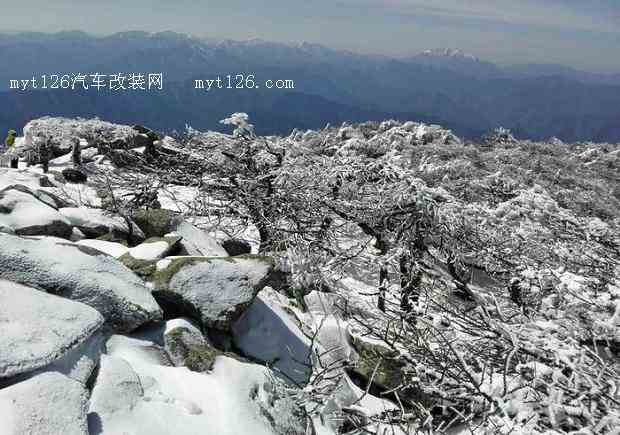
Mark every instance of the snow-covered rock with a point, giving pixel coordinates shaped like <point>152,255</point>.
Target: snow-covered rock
<point>64,130</point>
<point>79,273</point>
<point>97,222</point>
<point>154,248</point>
<point>267,332</point>
<point>195,241</point>
<point>187,347</point>
<point>231,400</point>
<point>117,388</point>
<point>47,404</point>
<point>217,290</point>
<point>21,211</point>
<point>154,222</point>
<point>9,177</point>
<point>39,328</point>
<point>113,249</point>
<point>87,155</point>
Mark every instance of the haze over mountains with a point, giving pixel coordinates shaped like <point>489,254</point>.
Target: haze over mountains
<point>449,87</point>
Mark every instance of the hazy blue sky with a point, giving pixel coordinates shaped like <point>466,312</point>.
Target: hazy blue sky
<point>580,33</point>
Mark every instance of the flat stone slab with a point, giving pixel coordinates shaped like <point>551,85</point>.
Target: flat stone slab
<point>82,274</point>
<point>46,404</point>
<point>37,328</point>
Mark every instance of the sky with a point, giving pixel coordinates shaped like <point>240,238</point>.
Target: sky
<point>580,33</point>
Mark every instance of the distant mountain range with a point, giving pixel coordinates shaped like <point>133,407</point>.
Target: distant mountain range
<point>448,87</point>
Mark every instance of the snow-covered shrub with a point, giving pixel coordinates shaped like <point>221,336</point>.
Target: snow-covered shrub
<point>240,121</point>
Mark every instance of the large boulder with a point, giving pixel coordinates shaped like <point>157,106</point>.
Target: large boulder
<point>270,332</point>
<point>40,328</point>
<point>9,177</point>
<point>214,291</point>
<point>94,222</point>
<point>154,222</point>
<point>25,214</point>
<point>117,388</point>
<point>47,404</point>
<point>175,400</point>
<point>64,131</point>
<point>79,273</point>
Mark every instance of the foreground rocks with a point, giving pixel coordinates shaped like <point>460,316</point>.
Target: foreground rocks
<point>25,214</point>
<point>40,328</point>
<point>214,291</point>
<point>96,223</point>
<point>79,273</point>
<point>270,332</point>
<point>47,404</point>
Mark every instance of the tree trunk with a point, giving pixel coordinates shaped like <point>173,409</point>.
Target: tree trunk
<point>76,154</point>
<point>383,281</point>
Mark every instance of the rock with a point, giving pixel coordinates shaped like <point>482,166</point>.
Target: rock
<point>154,222</point>
<point>21,211</point>
<point>40,328</point>
<point>270,332</point>
<point>72,175</point>
<point>162,222</point>
<point>214,291</point>
<point>155,248</point>
<point>82,274</point>
<point>9,177</point>
<point>113,249</point>
<point>88,155</point>
<point>117,388</point>
<point>46,197</point>
<point>79,363</point>
<point>187,347</point>
<point>388,367</point>
<point>142,140</point>
<point>182,402</point>
<point>237,247</point>
<point>142,259</point>
<point>50,199</point>
<point>94,222</point>
<point>141,129</point>
<point>195,241</point>
<point>76,235</point>
<point>47,404</point>
<point>65,130</point>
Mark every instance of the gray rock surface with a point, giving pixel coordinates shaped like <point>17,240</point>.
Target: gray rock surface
<point>37,328</point>
<point>21,211</point>
<point>187,347</point>
<point>47,404</point>
<point>155,248</point>
<point>95,222</point>
<point>195,241</point>
<point>216,291</point>
<point>65,130</point>
<point>82,274</point>
<point>117,388</point>
<point>31,180</point>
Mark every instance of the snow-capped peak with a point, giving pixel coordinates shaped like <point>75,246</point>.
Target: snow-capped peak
<point>449,52</point>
